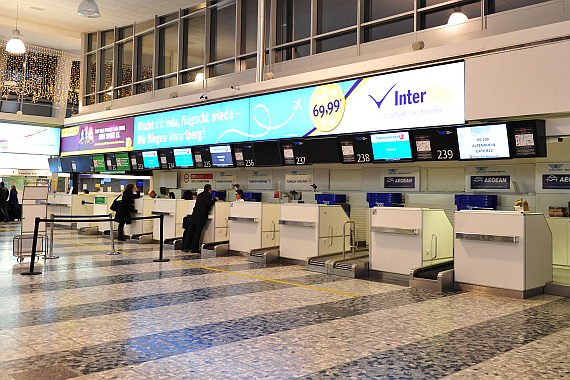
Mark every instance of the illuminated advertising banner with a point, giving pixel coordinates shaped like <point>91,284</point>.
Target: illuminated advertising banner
<point>410,99</point>
<point>28,139</point>
<point>109,136</point>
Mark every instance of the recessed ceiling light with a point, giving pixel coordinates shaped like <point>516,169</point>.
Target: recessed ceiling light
<point>38,8</point>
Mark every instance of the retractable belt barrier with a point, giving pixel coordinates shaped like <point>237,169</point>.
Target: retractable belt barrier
<point>99,218</point>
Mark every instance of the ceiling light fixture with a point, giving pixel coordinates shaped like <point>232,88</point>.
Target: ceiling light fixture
<point>457,17</point>
<point>88,8</point>
<point>16,45</point>
<point>199,77</point>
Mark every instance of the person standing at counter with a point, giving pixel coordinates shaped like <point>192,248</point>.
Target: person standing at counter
<point>239,195</point>
<point>123,215</point>
<point>204,203</point>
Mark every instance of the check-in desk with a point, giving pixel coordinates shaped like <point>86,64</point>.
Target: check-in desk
<point>507,252</point>
<point>402,239</point>
<point>166,207</point>
<point>82,204</point>
<point>217,226</point>
<point>144,207</point>
<point>308,230</point>
<point>560,228</point>
<point>253,225</point>
<point>102,206</point>
<point>59,204</point>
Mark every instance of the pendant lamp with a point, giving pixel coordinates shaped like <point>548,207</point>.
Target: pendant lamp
<point>88,8</point>
<point>457,17</point>
<point>16,45</point>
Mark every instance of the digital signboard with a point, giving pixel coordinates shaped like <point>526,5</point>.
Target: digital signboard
<point>105,137</point>
<point>483,142</point>
<point>435,144</point>
<point>393,146</point>
<point>29,139</point>
<point>183,158</point>
<point>150,160</point>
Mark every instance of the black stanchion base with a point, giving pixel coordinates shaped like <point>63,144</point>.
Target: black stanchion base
<point>161,260</point>
<point>30,273</point>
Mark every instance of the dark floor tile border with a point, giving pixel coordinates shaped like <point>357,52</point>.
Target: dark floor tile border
<point>146,348</point>
<point>445,354</point>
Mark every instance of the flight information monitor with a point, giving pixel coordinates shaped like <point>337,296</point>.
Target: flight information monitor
<point>122,160</point>
<point>355,149</point>
<point>99,163</point>
<point>150,159</point>
<point>393,146</point>
<point>244,155</point>
<point>166,159</point>
<point>267,153</point>
<point>183,158</point>
<point>294,152</point>
<point>221,156</point>
<point>54,165</point>
<point>81,164</point>
<point>322,150</point>
<point>483,142</point>
<point>435,144</point>
<point>527,138</point>
<point>66,164</point>
<point>110,162</point>
<point>137,162</point>
<point>202,157</point>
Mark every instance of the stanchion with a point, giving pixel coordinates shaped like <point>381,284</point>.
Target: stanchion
<point>112,233</point>
<point>51,256</point>
<point>34,247</point>
<point>160,258</point>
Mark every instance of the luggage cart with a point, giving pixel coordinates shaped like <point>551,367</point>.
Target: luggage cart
<point>22,246</point>
<point>34,204</point>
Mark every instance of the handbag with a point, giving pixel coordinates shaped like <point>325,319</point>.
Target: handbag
<point>116,204</point>
<point>186,222</point>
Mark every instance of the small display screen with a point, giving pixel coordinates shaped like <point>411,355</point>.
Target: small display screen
<point>202,157</point>
<point>150,160</point>
<point>66,164</point>
<point>54,165</point>
<point>167,160</point>
<point>322,150</point>
<point>294,152</point>
<point>244,155</point>
<point>137,162</point>
<point>110,162</point>
<point>391,146</point>
<point>99,163</point>
<point>81,164</point>
<point>355,149</point>
<point>221,156</point>
<point>183,158</point>
<point>267,153</point>
<point>435,144</point>
<point>527,138</point>
<point>122,160</point>
<point>483,142</point>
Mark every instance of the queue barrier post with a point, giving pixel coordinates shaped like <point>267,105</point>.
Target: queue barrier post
<point>112,235</point>
<point>160,258</point>
<point>34,247</point>
<point>51,256</point>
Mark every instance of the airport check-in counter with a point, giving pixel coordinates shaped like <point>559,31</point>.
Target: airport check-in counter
<point>82,204</point>
<point>402,239</point>
<point>308,230</point>
<point>217,226</point>
<point>166,207</point>
<point>144,207</point>
<point>59,204</point>
<point>102,206</point>
<point>509,251</point>
<point>253,225</point>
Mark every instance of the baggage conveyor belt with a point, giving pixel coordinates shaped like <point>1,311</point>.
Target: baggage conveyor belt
<point>437,277</point>
<point>354,267</point>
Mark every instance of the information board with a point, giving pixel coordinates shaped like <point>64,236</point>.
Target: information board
<point>167,160</point>
<point>221,156</point>
<point>183,158</point>
<point>98,163</point>
<point>122,161</point>
<point>483,142</point>
<point>150,159</point>
<point>104,137</point>
<point>527,138</point>
<point>355,149</point>
<point>435,144</point>
<point>137,162</point>
<point>244,155</point>
<point>393,146</point>
<point>202,157</point>
<point>294,152</point>
<point>110,162</point>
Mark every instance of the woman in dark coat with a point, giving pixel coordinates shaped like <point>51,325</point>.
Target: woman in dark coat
<point>124,213</point>
<point>14,204</point>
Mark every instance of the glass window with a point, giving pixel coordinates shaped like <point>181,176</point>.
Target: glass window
<point>335,14</point>
<point>168,18</point>
<point>106,69</point>
<point>293,20</point>
<point>90,70</point>
<point>193,40</point>
<point>91,41</point>
<point>222,69</point>
<point>107,37</point>
<point>377,9</point>
<point>193,76</point>
<point>168,49</point>
<point>336,42</point>
<point>389,29</point>
<point>145,52</point>
<point>248,63</point>
<point>440,17</point>
<point>105,96</point>
<point>223,32</point>
<point>124,92</point>
<point>125,63</point>
<point>143,87</point>
<point>289,53</point>
<point>89,100</point>
<point>145,25</point>
<point>248,26</point>
<point>125,32</point>
<point>496,6</point>
<point>166,82</point>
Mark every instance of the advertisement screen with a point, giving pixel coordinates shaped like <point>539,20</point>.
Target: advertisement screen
<point>183,158</point>
<point>408,99</point>
<point>483,142</point>
<point>150,160</point>
<point>29,139</point>
<point>221,156</point>
<point>391,146</point>
<point>109,136</point>
<point>99,163</point>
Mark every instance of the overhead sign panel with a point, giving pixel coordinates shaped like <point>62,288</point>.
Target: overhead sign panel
<point>28,139</point>
<point>109,136</point>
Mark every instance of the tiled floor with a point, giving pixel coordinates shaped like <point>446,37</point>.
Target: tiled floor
<point>93,316</point>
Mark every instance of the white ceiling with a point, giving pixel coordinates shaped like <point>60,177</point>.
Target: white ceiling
<point>55,23</point>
